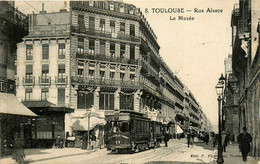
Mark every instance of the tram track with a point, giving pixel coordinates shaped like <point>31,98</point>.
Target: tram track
<point>156,154</point>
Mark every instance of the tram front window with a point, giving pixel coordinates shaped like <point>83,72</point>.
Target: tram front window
<point>119,126</point>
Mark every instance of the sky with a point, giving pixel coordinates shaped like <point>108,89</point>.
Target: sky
<point>195,50</point>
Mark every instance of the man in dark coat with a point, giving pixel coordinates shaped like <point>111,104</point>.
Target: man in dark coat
<point>188,138</point>
<point>226,141</point>
<point>166,139</point>
<point>244,140</point>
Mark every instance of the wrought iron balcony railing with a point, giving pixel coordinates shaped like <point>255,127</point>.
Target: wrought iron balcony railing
<point>61,80</point>
<point>107,58</point>
<point>45,80</point>
<point>104,82</point>
<point>28,80</point>
<point>103,33</point>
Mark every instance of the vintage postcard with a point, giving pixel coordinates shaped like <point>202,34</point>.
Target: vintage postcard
<point>129,81</point>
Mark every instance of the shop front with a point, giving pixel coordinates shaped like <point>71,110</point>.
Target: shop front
<point>49,125</point>
<point>88,126</point>
<point>14,117</point>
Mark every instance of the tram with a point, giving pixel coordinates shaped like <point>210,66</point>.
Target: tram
<point>132,131</point>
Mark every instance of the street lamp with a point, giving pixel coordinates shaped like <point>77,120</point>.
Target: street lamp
<point>220,88</point>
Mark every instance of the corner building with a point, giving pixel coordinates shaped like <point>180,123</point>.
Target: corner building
<point>115,61</point>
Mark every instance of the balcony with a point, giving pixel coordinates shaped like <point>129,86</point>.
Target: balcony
<point>123,36</point>
<point>61,80</point>
<point>106,34</point>
<point>46,80</point>
<point>107,58</point>
<point>28,80</point>
<point>104,82</point>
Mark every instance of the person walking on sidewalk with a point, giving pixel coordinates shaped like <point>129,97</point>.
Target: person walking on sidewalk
<point>188,138</point>
<point>244,140</point>
<point>166,139</point>
<point>226,141</point>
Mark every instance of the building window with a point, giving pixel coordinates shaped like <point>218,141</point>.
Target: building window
<point>80,45</point>
<point>102,25</point>
<point>102,75</point>
<point>112,26</point>
<point>112,49</point>
<point>111,6</point>
<point>126,101</point>
<point>81,22</point>
<point>29,52</point>
<point>45,51</point>
<point>62,51</point>
<point>132,30</point>
<point>28,94</point>
<point>45,73</point>
<point>29,74</point>
<point>131,10</point>
<point>91,24</point>
<point>91,73</point>
<point>45,94</point>
<point>61,96</point>
<point>122,28</point>
<point>91,49</point>
<point>122,50</point>
<point>80,72</point>
<point>132,52</point>
<point>112,75</point>
<point>85,100</point>
<point>61,73</point>
<point>132,77</point>
<point>102,48</point>
<point>122,76</point>
<point>106,101</point>
<point>122,9</point>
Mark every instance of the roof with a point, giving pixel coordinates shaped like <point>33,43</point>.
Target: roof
<point>46,106</point>
<point>9,104</point>
<point>35,104</point>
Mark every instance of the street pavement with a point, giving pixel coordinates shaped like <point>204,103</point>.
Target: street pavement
<point>177,152</point>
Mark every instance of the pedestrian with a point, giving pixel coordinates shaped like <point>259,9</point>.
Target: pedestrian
<point>93,140</point>
<point>166,139</point>
<point>226,141</point>
<point>232,138</point>
<point>59,142</point>
<point>84,141</point>
<point>207,138</point>
<point>188,138</point>
<point>244,140</point>
<point>18,153</point>
<point>192,137</point>
<point>66,139</point>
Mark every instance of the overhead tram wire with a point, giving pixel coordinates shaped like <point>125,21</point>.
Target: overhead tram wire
<point>45,16</point>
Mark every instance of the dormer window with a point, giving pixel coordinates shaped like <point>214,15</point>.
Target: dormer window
<point>121,8</point>
<point>131,10</point>
<point>111,6</point>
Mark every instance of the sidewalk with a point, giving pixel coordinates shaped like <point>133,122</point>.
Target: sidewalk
<point>233,156</point>
<point>35,155</point>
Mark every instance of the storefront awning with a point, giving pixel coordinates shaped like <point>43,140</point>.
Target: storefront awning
<point>179,129</point>
<point>9,104</point>
<point>81,124</point>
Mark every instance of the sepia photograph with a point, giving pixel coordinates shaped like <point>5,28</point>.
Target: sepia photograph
<point>129,81</point>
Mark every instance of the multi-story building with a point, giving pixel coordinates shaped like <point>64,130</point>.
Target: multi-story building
<point>115,60</point>
<point>99,57</point>
<point>43,73</point>
<point>13,27</point>
<point>245,68</point>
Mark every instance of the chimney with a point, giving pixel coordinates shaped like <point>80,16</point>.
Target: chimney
<point>43,11</point>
